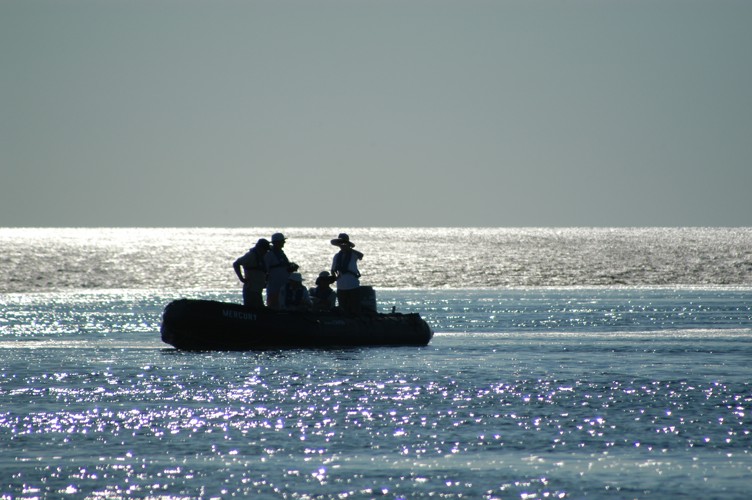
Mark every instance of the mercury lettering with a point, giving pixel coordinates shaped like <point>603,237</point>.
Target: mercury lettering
<point>229,313</point>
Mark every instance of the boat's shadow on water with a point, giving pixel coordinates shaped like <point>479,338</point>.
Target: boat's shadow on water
<point>335,353</point>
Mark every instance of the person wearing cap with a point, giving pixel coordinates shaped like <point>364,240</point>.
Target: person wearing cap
<point>279,268</point>
<point>323,297</point>
<point>345,271</point>
<point>294,296</point>
<point>253,274</point>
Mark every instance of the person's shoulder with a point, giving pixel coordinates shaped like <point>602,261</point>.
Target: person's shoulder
<point>243,257</point>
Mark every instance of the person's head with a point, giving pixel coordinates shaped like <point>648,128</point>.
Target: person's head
<point>343,241</point>
<point>262,245</point>
<point>278,239</point>
<point>295,280</point>
<point>325,279</point>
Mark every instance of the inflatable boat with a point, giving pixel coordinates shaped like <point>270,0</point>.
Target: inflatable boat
<point>202,325</point>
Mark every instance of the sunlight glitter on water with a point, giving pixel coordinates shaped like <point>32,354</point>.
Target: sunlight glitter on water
<point>323,427</point>
<point>527,401</point>
<point>428,258</point>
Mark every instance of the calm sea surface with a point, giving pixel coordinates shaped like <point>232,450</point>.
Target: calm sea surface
<point>567,363</point>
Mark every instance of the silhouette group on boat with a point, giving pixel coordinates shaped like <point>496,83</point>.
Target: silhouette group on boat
<point>266,266</point>
<point>319,317</point>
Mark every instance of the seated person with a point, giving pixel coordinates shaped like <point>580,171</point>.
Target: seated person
<point>322,295</point>
<point>294,296</point>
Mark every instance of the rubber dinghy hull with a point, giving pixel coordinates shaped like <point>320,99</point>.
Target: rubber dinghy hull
<point>207,325</point>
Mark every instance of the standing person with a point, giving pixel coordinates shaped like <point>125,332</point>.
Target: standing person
<point>279,268</point>
<point>294,296</point>
<point>253,275</point>
<point>345,270</point>
<point>322,295</point>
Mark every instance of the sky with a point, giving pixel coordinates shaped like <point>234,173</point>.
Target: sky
<point>358,113</point>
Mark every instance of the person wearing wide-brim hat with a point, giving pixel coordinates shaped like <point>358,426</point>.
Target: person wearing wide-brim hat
<point>253,275</point>
<point>343,239</point>
<point>323,297</point>
<point>345,270</point>
<point>279,268</point>
<point>294,296</point>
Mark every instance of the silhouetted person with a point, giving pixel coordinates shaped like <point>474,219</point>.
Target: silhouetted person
<point>253,273</point>
<point>279,268</point>
<point>323,297</point>
<point>345,270</point>
<point>294,296</point>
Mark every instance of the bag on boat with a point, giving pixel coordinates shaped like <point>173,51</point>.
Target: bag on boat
<point>367,298</point>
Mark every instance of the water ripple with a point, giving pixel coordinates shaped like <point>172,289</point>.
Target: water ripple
<point>355,423</point>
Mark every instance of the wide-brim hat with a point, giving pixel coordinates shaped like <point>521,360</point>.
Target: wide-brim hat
<point>342,239</point>
<point>296,277</point>
<point>325,277</point>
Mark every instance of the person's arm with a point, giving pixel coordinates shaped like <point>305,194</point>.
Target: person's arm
<point>236,266</point>
<point>334,272</point>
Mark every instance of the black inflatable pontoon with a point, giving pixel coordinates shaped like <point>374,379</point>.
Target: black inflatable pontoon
<point>210,325</point>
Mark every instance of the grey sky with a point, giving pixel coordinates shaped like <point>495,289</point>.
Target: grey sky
<point>375,113</point>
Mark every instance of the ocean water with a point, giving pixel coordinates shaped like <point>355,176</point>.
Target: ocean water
<point>566,363</point>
